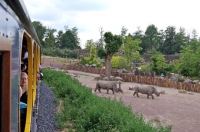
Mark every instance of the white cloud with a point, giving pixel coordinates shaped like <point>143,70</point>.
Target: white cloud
<point>89,15</point>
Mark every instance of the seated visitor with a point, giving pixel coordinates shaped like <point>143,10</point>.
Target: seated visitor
<point>24,86</point>
<point>23,108</point>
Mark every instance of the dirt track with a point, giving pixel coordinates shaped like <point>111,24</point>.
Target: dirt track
<point>182,111</point>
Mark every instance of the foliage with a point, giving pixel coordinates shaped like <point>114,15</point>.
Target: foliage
<point>157,63</point>
<point>92,59</point>
<point>64,53</point>
<point>115,61</point>
<point>101,53</point>
<point>189,61</point>
<point>89,44</point>
<point>40,30</point>
<point>131,48</point>
<point>123,63</point>
<point>87,112</point>
<point>145,67</point>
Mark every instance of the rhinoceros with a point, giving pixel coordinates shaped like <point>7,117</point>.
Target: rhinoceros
<point>107,85</point>
<point>149,90</point>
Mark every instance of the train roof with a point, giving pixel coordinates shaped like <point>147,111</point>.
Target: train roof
<point>20,10</point>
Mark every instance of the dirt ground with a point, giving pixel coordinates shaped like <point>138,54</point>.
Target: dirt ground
<point>182,111</point>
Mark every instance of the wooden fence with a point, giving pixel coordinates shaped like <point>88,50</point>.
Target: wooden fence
<point>139,79</point>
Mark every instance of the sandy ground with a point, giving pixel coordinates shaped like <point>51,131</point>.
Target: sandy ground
<point>182,111</point>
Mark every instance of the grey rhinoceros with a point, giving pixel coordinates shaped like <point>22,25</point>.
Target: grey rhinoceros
<point>108,85</point>
<point>149,90</point>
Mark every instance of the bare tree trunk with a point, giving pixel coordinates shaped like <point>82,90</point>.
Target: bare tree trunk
<point>107,65</point>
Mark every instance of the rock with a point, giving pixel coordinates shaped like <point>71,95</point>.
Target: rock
<point>158,118</point>
<point>102,75</point>
<point>174,78</point>
<point>162,92</point>
<point>124,71</point>
<point>182,91</point>
<point>105,79</point>
<point>188,81</point>
<point>118,79</point>
<point>131,88</point>
<point>191,93</point>
<point>196,82</point>
<point>97,78</point>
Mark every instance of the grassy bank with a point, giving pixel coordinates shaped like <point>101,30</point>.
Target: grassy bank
<point>83,111</point>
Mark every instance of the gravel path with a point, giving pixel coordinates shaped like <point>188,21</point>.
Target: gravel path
<point>46,121</point>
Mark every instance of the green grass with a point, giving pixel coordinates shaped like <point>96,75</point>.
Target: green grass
<point>85,112</point>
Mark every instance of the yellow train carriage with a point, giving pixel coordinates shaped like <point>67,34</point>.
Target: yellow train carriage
<point>15,26</point>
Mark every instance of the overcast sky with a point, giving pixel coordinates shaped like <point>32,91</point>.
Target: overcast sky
<point>89,15</point>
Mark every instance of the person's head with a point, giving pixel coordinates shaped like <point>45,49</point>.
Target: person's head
<point>23,79</point>
<point>23,67</point>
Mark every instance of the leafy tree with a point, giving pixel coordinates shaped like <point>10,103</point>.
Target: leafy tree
<point>168,47</point>
<point>70,39</point>
<point>58,39</point>
<point>132,48</point>
<point>157,63</point>
<point>194,34</point>
<point>40,30</point>
<point>113,43</point>
<point>151,37</point>
<point>189,61</point>
<point>180,39</point>
<point>49,38</point>
<point>89,44</point>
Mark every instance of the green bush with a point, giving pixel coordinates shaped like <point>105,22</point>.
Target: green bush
<point>60,52</point>
<point>123,63</point>
<point>90,113</point>
<point>115,61</point>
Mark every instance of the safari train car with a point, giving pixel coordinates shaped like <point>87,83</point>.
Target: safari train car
<point>18,39</point>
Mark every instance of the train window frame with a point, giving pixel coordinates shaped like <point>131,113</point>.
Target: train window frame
<point>6,53</point>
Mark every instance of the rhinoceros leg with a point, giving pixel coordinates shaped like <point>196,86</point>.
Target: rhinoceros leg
<point>147,96</point>
<point>136,93</point>
<point>113,91</point>
<point>107,90</point>
<point>152,96</point>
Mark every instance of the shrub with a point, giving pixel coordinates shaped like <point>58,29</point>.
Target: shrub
<point>115,61</point>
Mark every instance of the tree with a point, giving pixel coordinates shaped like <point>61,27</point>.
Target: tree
<point>89,44</point>
<point>169,43</point>
<point>123,33</point>
<point>101,40</point>
<point>180,39</point>
<point>113,43</point>
<point>157,62</point>
<point>131,49</point>
<point>151,37</point>
<point>40,30</point>
<point>49,38</point>
<point>69,39</point>
<point>58,39</point>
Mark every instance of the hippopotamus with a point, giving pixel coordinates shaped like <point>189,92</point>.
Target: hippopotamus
<point>149,90</point>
